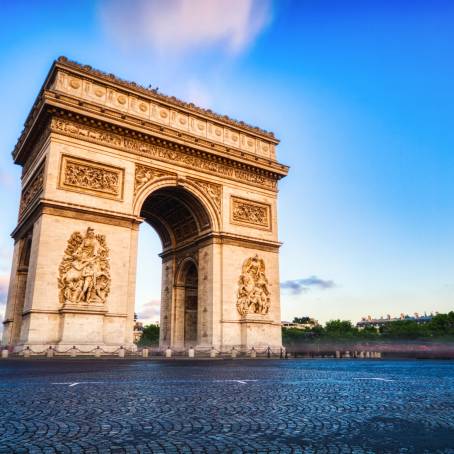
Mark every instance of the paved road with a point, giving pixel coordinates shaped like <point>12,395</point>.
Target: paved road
<point>310,406</point>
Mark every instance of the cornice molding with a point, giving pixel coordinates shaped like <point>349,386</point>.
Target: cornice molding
<point>86,70</point>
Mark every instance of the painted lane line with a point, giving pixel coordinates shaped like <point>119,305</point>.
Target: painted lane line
<point>373,378</point>
<point>71,384</point>
<point>243,382</point>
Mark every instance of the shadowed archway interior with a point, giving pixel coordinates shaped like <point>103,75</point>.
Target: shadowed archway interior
<point>180,219</point>
<point>176,215</point>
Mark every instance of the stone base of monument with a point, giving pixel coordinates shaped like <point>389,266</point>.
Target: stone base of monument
<point>255,328</point>
<point>82,325</point>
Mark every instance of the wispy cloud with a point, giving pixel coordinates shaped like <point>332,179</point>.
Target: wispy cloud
<point>298,286</point>
<point>182,26</point>
<point>149,312</point>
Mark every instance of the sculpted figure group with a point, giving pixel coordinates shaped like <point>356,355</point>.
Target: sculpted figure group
<point>253,293</point>
<point>84,275</point>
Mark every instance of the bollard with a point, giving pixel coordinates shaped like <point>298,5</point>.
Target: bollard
<point>50,352</point>
<point>347,354</point>
<point>97,352</point>
<point>168,353</point>
<point>145,353</point>
<point>213,353</point>
<point>191,352</point>
<point>367,355</point>
<point>5,353</point>
<point>361,354</point>
<point>233,354</point>
<point>338,354</point>
<point>27,352</point>
<point>253,353</point>
<point>121,352</point>
<point>379,355</point>
<point>73,352</point>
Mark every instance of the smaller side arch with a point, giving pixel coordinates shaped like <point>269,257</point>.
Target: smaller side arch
<point>184,265</point>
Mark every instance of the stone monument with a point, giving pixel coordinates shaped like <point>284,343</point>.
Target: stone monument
<point>100,155</point>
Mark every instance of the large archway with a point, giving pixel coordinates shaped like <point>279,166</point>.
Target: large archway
<point>184,226</point>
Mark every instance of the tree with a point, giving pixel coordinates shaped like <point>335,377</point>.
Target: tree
<point>302,320</point>
<point>150,335</point>
<point>339,328</point>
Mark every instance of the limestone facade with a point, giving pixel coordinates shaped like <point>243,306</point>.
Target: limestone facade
<point>100,156</point>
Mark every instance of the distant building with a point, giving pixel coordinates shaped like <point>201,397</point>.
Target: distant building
<point>307,324</point>
<point>377,323</point>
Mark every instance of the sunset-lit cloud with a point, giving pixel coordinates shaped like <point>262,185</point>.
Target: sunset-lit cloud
<point>182,26</point>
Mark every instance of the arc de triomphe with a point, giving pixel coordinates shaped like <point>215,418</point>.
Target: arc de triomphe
<point>101,155</point>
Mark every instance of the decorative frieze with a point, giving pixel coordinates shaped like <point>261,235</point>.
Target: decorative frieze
<point>212,190</point>
<point>91,177</point>
<point>161,113</point>
<point>253,293</point>
<point>84,272</point>
<point>209,164</point>
<point>250,213</point>
<point>145,174</point>
<point>32,189</point>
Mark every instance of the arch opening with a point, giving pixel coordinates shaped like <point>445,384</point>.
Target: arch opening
<point>179,218</point>
<point>176,215</point>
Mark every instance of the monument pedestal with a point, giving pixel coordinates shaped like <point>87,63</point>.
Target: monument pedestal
<point>82,324</point>
<point>255,328</point>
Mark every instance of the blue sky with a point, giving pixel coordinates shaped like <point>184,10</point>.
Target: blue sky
<point>359,92</point>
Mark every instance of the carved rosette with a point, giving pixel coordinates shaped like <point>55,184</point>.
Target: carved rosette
<point>252,214</point>
<point>84,272</point>
<point>253,294</point>
<point>145,174</point>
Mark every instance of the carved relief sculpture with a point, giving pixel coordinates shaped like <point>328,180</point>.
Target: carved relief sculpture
<point>252,213</point>
<point>253,293</point>
<point>85,176</point>
<point>145,174</point>
<point>168,154</point>
<point>84,272</point>
<point>32,189</point>
<point>213,190</point>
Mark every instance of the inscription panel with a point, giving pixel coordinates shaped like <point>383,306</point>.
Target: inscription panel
<point>90,177</point>
<point>250,213</point>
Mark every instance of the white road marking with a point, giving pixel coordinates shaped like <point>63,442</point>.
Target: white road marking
<point>373,378</point>
<point>243,382</point>
<point>70,384</point>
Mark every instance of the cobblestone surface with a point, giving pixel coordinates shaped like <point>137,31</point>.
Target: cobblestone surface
<point>231,406</point>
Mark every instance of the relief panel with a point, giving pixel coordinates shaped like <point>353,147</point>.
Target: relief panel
<point>32,189</point>
<point>253,293</point>
<point>90,177</point>
<point>250,213</point>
